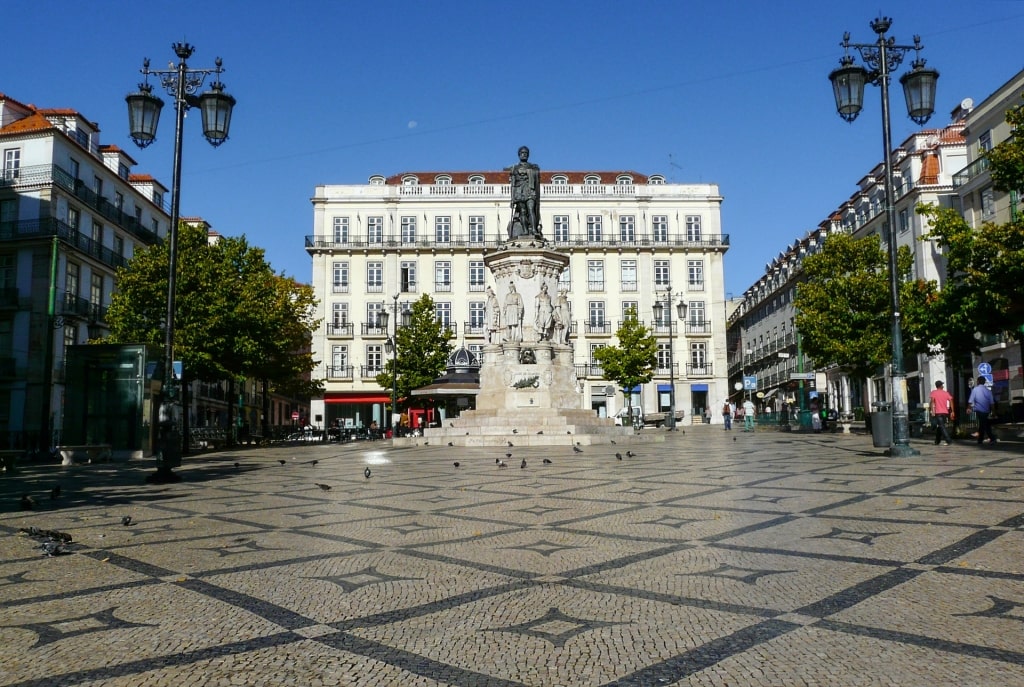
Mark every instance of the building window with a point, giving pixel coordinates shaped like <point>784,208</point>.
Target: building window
<point>664,357</point>
<point>443,314</point>
<point>74,168</point>
<point>374,358</point>
<point>630,307</point>
<point>443,276</point>
<point>476,180</point>
<point>627,276</point>
<point>476,229</point>
<point>340,277</point>
<point>559,180</point>
<point>408,229</point>
<point>593,348</point>
<point>374,229</point>
<point>565,280</point>
<point>695,274</point>
<point>591,180</point>
<point>477,315</point>
<point>12,163</point>
<point>138,215</point>
<point>904,220</point>
<point>339,313</point>
<point>627,229</point>
<point>443,180</point>
<point>693,228</point>
<point>695,312</point>
<point>595,275</point>
<point>339,358</point>
<point>118,200</point>
<point>443,229</point>
<point>8,273</point>
<point>374,277</point>
<point>988,203</point>
<point>659,227</point>
<point>8,214</point>
<point>158,199</point>
<point>662,274</point>
<point>119,246</point>
<point>122,170</point>
<point>154,224</point>
<point>477,275</point>
<point>656,180</point>
<point>624,180</point>
<point>561,233</point>
<point>373,311</point>
<point>97,233</point>
<point>74,218</point>
<point>96,289</point>
<point>72,273</point>
<point>594,228</point>
<point>70,337</point>
<point>408,276</point>
<point>596,313</point>
<point>985,141</point>
<point>698,354</point>
<point>341,229</point>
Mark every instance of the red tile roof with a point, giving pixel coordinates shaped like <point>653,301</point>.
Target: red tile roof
<point>501,177</point>
<point>34,122</point>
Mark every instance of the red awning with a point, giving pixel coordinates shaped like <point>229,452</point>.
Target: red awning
<point>357,398</point>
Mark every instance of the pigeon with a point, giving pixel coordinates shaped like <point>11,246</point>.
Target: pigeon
<point>456,463</point>
<point>734,438</point>
<point>618,455</point>
<point>523,464</point>
<point>27,502</point>
<point>515,431</point>
<point>508,455</point>
<point>511,444</point>
<point>55,492</point>
<point>497,460</point>
<point>613,441</point>
<point>450,443</point>
<point>282,462</point>
<point>366,473</point>
<point>630,454</point>
<point>52,547</point>
<point>540,431</point>
<point>502,464</point>
<point>547,461</point>
<point>126,520</point>
<point>577,449</point>
<point>238,465</point>
<point>314,462</point>
<point>323,487</point>
<point>451,424</point>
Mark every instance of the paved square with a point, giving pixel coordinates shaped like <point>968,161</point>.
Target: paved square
<point>716,558</point>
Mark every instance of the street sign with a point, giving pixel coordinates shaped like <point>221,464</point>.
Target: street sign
<point>985,369</point>
<point>988,379</point>
<point>295,415</point>
<point>750,382</point>
<point>797,376</point>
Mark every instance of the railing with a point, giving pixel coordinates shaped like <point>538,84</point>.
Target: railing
<point>970,171</point>
<point>663,328</point>
<point>341,372</point>
<point>597,328</point>
<point>339,288</point>
<point>472,329</point>
<point>629,286</point>
<point>698,327</point>
<point>442,286</point>
<point>453,329</point>
<point>76,306</point>
<point>591,370</point>
<point>595,286</point>
<point>663,371</point>
<point>702,370</point>
<point>47,226</point>
<point>315,242</point>
<point>340,329</point>
<point>372,329</point>
<point>695,286</point>
<point>369,372</point>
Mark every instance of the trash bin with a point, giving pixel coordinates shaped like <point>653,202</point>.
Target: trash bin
<point>881,425</point>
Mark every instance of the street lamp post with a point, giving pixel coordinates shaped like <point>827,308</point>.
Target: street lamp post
<point>663,313</point>
<point>391,346</point>
<point>848,82</point>
<point>181,83</point>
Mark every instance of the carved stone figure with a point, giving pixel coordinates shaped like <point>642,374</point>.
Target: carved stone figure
<point>562,319</point>
<point>524,178</point>
<point>492,313</point>
<point>513,315</point>
<point>543,314</point>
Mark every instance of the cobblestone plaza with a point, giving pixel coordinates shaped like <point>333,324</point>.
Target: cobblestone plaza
<point>715,558</point>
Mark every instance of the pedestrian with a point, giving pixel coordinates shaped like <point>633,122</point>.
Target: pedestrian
<point>815,416</point>
<point>982,404</point>
<point>941,408</point>
<point>727,415</point>
<point>748,415</point>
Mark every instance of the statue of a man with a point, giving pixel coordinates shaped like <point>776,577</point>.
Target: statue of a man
<point>493,315</point>
<point>524,178</point>
<point>562,318</point>
<point>513,315</point>
<point>543,314</point>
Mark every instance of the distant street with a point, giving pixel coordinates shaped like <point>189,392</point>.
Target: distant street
<point>716,558</point>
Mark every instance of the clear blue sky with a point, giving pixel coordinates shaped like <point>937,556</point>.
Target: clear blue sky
<point>734,93</point>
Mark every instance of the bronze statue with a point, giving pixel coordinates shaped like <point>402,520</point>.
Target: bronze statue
<point>524,178</point>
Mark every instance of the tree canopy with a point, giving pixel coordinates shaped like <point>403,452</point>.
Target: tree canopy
<point>421,354</point>
<point>843,305</point>
<point>234,317</point>
<point>632,362</point>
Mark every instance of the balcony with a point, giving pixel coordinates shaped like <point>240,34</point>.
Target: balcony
<point>595,285</point>
<point>699,370</point>
<point>339,288</point>
<point>340,329</point>
<point>474,329</point>
<point>663,328</point>
<point>698,328</point>
<point>661,370</point>
<point>315,243</point>
<point>695,286</point>
<point>81,308</point>
<point>442,286</point>
<point>369,372</point>
<point>372,329</point>
<point>48,227</point>
<point>595,327</point>
<point>965,175</point>
<point>589,371</point>
<point>453,329</point>
<point>342,372</point>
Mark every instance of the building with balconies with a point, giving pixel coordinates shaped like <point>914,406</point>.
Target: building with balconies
<point>629,236</point>
<point>763,339</point>
<point>982,202</point>
<point>71,213</point>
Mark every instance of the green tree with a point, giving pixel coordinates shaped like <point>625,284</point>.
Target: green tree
<point>844,310</point>
<point>421,354</point>
<point>632,362</point>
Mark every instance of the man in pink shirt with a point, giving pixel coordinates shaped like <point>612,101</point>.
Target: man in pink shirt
<point>941,408</point>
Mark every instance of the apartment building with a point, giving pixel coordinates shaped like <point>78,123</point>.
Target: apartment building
<point>71,212</point>
<point>763,339</point>
<point>631,238</point>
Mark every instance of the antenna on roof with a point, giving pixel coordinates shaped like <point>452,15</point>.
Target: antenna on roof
<point>672,163</point>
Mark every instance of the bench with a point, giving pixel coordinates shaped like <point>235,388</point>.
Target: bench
<point>92,452</point>
<point>8,458</point>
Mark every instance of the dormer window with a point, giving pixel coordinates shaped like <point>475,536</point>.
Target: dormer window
<point>591,180</point>
<point>376,180</point>
<point>410,180</point>
<point>443,180</point>
<point>656,180</point>
<point>560,180</point>
<point>624,180</point>
<point>476,180</point>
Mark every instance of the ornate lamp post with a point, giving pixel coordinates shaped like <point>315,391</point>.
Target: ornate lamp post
<point>181,83</point>
<point>391,346</point>
<point>848,82</point>
<point>663,313</point>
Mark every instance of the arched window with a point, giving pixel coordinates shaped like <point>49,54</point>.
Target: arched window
<point>656,180</point>
<point>560,180</point>
<point>624,180</point>
<point>476,180</point>
<point>591,180</point>
<point>410,180</point>
<point>376,180</point>
<point>443,180</point>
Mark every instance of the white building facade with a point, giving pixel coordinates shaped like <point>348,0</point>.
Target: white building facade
<point>630,238</point>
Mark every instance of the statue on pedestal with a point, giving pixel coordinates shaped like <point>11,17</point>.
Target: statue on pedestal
<point>513,315</point>
<point>492,315</point>
<point>543,318</point>
<point>562,319</point>
<point>524,177</point>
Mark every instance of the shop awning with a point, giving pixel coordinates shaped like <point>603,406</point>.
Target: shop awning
<point>357,398</point>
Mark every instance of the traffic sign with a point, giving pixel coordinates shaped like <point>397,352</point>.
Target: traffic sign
<point>750,382</point>
<point>800,375</point>
<point>988,379</point>
<point>985,369</point>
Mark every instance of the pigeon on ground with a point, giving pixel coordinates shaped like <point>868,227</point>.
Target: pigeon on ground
<point>618,455</point>
<point>630,454</point>
<point>324,487</point>
<point>497,460</point>
<point>238,465</point>
<point>27,502</point>
<point>508,455</point>
<point>613,441</point>
<point>55,492</point>
<point>734,438</point>
<point>523,464</point>
<point>577,449</point>
<point>366,473</point>
<point>451,424</point>
<point>502,464</point>
<point>569,432</point>
<point>450,443</point>
<point>515,431</point>
<point>456,463</point>
<point>511,444</point>
<point>314,462</point>
<point>282,462</point>
<point>540,431</point>
<point>126,520</point>
<point>53,547</point>
<point>547,461</point>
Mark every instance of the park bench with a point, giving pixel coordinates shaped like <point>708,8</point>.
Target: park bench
<point>92,452</point>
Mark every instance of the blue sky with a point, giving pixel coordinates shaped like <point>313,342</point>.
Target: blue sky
<point>734,93</point>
